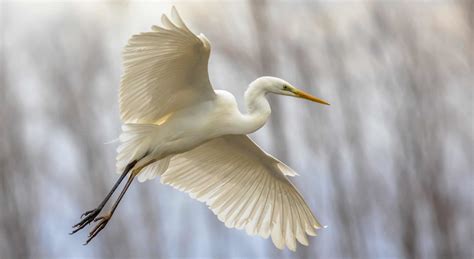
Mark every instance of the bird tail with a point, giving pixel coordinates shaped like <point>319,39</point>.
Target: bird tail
<point>135,142</point>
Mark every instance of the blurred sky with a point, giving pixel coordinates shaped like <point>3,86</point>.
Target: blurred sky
<point>388,167</point>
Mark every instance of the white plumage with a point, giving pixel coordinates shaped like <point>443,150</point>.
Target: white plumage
<point>177,127</point>
<point>164,70</point>
<point>246,188</point>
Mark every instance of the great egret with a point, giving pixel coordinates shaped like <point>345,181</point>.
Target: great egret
<point>177,127</point>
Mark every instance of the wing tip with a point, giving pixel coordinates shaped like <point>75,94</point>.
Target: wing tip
<point>176,18</point>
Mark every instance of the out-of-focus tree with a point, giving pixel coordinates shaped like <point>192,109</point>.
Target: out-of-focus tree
<point>388,166</point>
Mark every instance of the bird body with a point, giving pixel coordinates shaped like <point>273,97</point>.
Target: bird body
<point>175,125</point>
<point>189,127</point>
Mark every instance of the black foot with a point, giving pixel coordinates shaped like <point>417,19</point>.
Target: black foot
<point>103,220</point>
<point>87,218</point>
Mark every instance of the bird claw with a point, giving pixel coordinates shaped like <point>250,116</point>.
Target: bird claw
<point>87,213</point>
<point>103,220</point>
<point>87,217</point>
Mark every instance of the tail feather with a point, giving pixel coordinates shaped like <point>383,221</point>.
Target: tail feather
<point>136,140</point>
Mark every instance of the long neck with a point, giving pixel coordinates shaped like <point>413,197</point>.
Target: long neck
<point>258,108</point>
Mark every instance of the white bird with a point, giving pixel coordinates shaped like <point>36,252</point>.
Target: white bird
<point>176,126</point>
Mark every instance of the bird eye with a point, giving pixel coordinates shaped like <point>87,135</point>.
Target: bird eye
<point>285,87</point>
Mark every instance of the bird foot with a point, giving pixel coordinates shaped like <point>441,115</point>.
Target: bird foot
<point>103,220</point>
<point>87,217</point>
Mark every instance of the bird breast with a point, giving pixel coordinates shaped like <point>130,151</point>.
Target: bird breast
<point>190,127</point>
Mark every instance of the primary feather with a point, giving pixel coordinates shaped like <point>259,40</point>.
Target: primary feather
<point>164,70</point>
<point>245,187</point>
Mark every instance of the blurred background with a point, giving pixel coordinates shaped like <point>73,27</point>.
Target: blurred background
<point>388,167</point>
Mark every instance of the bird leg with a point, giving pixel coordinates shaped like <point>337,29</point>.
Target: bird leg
<point>89,216</point>
<point>104,219</point>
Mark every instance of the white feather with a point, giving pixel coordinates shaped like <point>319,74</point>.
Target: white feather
<point>234,177</point>
<point>164,70</point>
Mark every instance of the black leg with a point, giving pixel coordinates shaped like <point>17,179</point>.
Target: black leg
<point>90,215</point>
<point>103,220</point>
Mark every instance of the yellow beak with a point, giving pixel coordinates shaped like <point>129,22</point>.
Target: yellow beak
<point>307,96</point>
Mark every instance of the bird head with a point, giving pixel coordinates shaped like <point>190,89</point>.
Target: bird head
<point>279,86</point>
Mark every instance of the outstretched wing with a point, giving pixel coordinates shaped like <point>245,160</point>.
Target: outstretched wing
<point>246,188</point>
<point>164,70</point>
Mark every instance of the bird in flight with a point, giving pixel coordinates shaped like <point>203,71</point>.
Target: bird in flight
<point>176,126</point>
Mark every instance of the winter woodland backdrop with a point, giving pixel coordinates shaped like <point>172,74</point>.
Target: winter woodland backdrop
<point>388,167</point>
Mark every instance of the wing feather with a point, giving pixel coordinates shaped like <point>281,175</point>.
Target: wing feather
<point>164,70</point>
<point>246,188</point>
